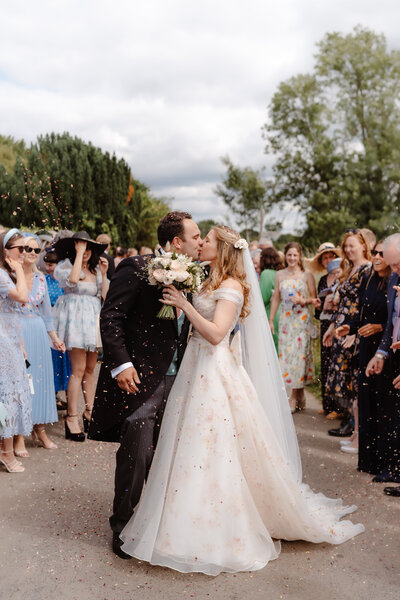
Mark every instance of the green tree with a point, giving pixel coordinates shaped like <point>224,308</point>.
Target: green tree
<point>336,137</point>
<point>62,182</point>
<point>247,195</point>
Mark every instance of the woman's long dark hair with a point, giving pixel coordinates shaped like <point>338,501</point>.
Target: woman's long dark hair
<point>3,264</point>
<point>270,259</point>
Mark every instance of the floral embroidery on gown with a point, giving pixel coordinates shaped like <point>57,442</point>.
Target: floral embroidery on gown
<point>14,384</point>
<point>295,350</point>
<point>219,488</point>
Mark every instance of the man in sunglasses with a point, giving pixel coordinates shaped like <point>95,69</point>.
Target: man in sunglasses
<point>388,352</point>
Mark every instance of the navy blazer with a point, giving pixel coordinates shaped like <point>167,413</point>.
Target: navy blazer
<point>386,340</point>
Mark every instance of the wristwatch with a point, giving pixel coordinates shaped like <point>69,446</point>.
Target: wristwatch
<point>380,355</point>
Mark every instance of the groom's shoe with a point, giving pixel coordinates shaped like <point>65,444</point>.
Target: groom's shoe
<point>344,431</point>
<point>116,546</point>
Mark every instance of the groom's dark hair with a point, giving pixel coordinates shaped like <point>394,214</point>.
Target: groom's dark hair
<point>171,226</point>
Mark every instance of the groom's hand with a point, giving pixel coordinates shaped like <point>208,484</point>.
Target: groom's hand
<point>128,380</point>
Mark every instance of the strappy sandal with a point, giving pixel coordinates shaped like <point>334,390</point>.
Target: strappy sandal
<point>14,466</point>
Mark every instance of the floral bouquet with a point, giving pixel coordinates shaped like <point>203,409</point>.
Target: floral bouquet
<point>177,269</point>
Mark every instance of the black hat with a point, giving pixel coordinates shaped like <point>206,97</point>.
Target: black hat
<point>65,247</point>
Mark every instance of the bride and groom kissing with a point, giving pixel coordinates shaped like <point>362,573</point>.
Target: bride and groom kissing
<point>217,484</point>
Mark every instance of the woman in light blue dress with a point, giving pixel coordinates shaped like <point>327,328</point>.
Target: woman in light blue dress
<point>37,326</point>
<point>15,397</point>
<point>83,275</point>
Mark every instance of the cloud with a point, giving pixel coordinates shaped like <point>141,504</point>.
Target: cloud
<point>170,85</point>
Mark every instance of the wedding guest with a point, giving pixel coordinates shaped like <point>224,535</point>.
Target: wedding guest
<point>343,370</point>
<point>103,238</point>
<point>324,263</point>
<point>61,362</point>
<point>119,254</point>
<point>132,252</point>
<point>368,324</point>
<point>265,242</point>
<point>15,395</point>
<point>145,250</point>
<point>270,263</point>
<point>256,257</point>
<point>82,273</point>
<point>388,356</point>
<point>295,290</point>
<point>37,326</point>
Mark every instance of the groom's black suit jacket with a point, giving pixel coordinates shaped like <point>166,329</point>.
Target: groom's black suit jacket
<point>131,331</point>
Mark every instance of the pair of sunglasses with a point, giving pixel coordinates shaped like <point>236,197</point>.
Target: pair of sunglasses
<point>27,249</point>
<point>377,253</point>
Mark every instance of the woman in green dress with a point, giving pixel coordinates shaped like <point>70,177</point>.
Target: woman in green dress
<point>270,263</point>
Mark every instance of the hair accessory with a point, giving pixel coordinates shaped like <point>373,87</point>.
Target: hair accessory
<point>241,244</point>
<point>9,235</point>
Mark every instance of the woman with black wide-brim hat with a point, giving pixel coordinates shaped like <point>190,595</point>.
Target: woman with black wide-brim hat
<point>82,272</point>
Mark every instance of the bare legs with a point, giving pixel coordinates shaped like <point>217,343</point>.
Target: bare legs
<point>82,374</point>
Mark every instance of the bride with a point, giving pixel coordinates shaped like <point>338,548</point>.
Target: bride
<point>225,482</point>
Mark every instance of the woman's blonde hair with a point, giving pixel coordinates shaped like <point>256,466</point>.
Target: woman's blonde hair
<point>33,238</point>
<point>229,264</point>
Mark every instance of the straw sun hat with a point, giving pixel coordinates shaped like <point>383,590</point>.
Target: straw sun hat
<point>314,263</point>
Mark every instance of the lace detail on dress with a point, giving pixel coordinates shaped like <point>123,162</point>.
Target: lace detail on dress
<point>14,387</point>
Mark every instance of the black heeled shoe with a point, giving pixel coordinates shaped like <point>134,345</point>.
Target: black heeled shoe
<point>75,437</point>
<point>86,422</point>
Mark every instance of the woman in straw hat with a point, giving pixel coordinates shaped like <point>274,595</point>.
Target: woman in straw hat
<point>326,254</point>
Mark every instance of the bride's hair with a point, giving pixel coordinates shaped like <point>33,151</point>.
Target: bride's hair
<point>229,264</point>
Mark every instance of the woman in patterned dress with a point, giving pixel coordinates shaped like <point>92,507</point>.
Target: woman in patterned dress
<point>295,290</point>
<point>61,362</point>
<point>82,272</point>
<point>343,370</point>
<point>15,397</point>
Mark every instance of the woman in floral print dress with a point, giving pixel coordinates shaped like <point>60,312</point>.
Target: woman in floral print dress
<point>295,289</point>
<point>343,371</point>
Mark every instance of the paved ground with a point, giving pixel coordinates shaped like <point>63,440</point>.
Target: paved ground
<point>55,539</point>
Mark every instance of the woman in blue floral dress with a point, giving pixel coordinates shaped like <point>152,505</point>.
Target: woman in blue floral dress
<point>82,273</point>
<point>295,290</point>
<point>15,397</point>
<point>61,362</point>
<point>37,328</point>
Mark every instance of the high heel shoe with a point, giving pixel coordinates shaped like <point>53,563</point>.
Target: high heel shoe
<point>75,437</point>
<point>86,423</point>
<point>14,466</point>
<point>49,445</point>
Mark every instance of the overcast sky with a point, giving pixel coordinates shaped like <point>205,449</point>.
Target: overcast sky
<point>170,85</point>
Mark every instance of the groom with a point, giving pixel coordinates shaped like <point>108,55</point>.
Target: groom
<point>141,356</point>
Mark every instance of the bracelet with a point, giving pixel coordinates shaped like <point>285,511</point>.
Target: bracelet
<point>380,355</point>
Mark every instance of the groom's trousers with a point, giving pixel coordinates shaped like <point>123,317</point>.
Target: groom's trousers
<point>139,437</point>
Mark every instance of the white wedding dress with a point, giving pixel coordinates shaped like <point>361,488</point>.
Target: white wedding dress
<point>220,492</point>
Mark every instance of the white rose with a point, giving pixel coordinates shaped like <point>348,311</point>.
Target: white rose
<point>175,265</point>
<point>180,275</point>
<point>152,280</point>
<point>159,275</point>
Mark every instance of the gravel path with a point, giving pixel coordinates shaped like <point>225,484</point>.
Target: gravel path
<point>55,538</point>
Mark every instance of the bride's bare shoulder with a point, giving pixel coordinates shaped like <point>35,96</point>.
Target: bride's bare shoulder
<point>232,284</point>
